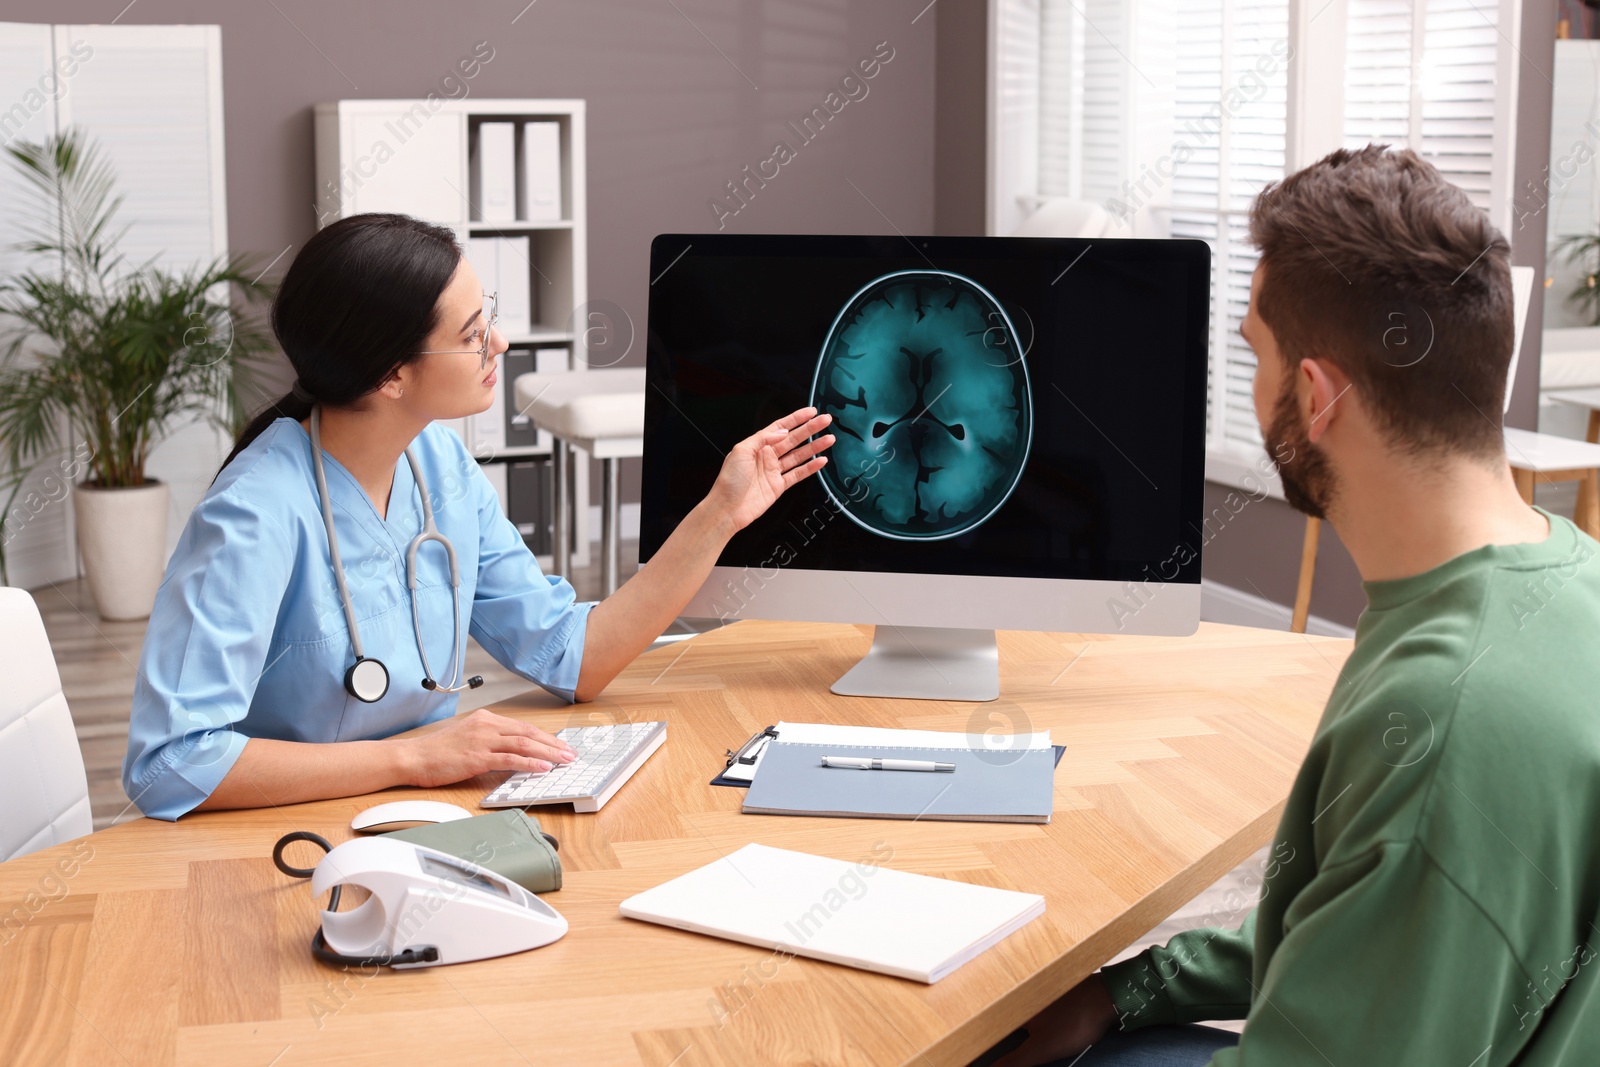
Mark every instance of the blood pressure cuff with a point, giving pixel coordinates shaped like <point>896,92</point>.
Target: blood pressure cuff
<point>507,842</point>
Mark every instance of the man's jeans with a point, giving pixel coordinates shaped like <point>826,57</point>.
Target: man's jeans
<point>1156,1046</point>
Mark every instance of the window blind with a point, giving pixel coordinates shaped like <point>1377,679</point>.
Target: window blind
<point>1431,74</point>
<point>1015,91</point>
<point>1176,111</point>
<point>152,97</point>
<point>1232,110</point>
<point>1421,73</point>
<point>1106,93</point>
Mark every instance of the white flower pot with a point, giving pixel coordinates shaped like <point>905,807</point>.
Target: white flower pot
<point>122,535</point>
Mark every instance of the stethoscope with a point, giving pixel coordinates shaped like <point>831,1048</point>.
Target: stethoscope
<point>368,679</point>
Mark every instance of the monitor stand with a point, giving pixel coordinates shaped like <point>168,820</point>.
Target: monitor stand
<point>926,663</point>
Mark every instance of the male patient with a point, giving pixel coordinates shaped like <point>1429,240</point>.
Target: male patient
<point>1434,893</point>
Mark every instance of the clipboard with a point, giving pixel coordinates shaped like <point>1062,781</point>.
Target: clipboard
<point>749,754</point>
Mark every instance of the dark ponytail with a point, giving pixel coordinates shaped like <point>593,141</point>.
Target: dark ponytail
<point>356,305</point>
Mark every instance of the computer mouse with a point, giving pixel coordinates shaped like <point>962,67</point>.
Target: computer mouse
<point>398,812</point>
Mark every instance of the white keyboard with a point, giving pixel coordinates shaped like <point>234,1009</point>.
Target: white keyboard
<point>607,758</point>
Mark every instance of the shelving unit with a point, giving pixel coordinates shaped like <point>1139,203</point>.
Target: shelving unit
<point>418,157</point>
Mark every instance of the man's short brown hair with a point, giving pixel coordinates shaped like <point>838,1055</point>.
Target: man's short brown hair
<point>1374,262</point>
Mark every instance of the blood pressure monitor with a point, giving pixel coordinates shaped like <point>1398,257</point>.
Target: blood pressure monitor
<point>426,908</point>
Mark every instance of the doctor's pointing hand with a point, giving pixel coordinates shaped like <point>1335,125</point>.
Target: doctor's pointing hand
<point>309,637</point>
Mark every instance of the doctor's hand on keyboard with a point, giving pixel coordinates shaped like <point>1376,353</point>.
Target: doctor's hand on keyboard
<point>466,745</point>
<point>607,757</point>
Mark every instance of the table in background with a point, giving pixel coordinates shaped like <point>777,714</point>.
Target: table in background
<point>182,943</point>
<point>1583,398</point>
<point>1543,457</point>
<point>599,412</point>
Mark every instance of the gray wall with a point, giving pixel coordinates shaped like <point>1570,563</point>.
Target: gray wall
<point>1535,88</point>
<point>961,118</point>
<point>681,96</point>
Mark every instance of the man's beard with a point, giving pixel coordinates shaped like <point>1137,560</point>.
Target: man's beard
<point>1303,468</point>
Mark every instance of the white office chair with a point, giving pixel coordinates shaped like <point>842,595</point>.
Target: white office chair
<point>44,794</point>
<point>1067,217</point>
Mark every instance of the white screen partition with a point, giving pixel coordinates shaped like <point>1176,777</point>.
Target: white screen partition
<point>37,527</point>
<point>152,97</point>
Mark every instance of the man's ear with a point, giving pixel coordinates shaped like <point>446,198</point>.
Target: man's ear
<point>1319,385</point>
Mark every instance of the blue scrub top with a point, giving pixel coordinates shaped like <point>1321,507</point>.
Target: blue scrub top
<point>248,637</point>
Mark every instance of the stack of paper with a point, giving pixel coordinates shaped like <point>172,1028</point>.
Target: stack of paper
<point>859,914</point>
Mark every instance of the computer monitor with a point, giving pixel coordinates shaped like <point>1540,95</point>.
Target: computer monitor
<point>1020,430</point>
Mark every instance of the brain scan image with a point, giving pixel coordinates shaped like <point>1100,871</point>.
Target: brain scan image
<point>924,377</point>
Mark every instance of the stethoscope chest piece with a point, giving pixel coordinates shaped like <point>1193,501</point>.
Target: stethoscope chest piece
<point>367,680</point>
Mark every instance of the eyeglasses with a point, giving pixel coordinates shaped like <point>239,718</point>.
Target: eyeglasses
<point>491,315</point>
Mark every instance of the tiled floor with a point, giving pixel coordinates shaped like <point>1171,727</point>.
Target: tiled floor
<point>97,662</point>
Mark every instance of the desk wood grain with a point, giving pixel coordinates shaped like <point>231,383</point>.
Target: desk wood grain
<point>158,943</point>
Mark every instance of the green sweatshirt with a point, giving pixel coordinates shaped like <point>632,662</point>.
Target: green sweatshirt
<point>1432,895</point>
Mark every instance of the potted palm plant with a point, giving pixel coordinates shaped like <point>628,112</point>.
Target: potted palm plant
<point>1581,249</point>
<point>99,358</point>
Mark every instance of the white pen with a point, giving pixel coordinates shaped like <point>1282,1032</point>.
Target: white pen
<point>865,763</point>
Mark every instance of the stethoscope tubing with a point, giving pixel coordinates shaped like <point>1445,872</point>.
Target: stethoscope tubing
<point>430,532</point>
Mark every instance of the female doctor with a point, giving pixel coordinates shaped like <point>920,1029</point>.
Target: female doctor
<point>307,639</point>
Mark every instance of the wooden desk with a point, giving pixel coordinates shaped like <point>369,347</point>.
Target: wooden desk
<point>181,942</point>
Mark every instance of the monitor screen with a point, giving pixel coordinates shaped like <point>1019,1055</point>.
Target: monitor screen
<point>1005,407</point>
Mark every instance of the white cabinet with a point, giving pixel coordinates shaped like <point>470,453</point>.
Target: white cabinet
<point>421,158</point>
<point>400,159</point>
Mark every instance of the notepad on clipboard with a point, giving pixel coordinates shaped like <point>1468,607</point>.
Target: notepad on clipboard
<point>858,914</point>
<point>741,768</point>
<point>1014,783</point>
